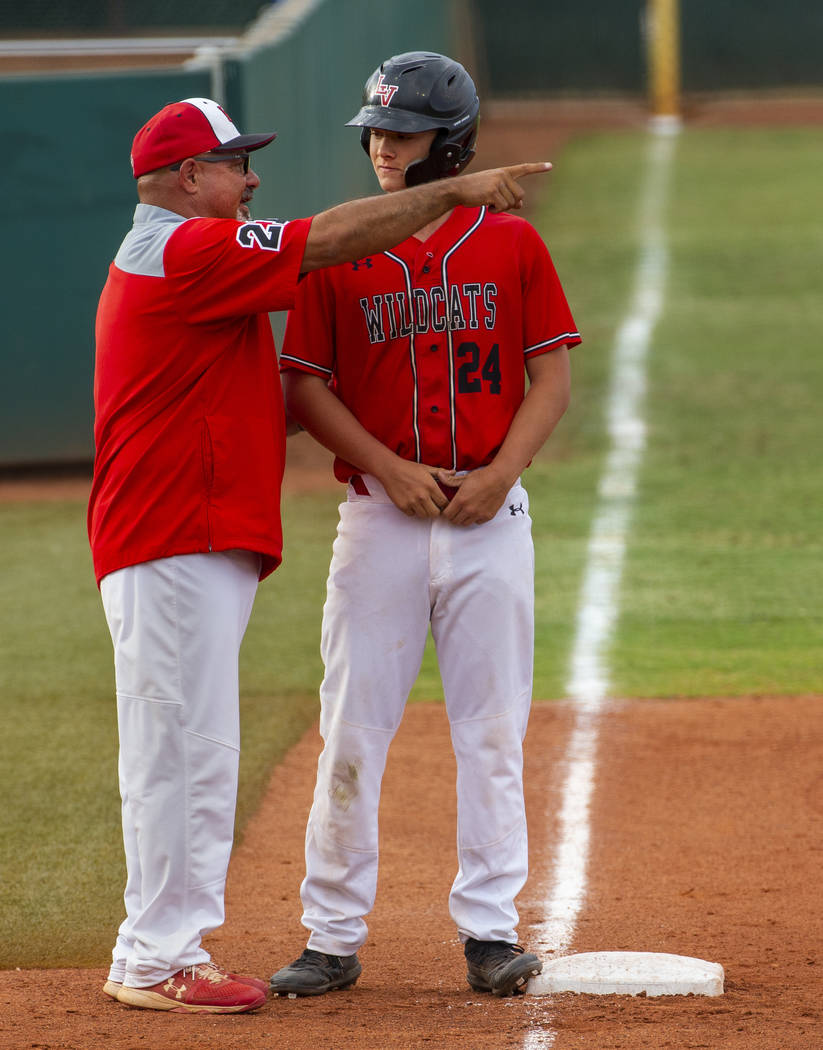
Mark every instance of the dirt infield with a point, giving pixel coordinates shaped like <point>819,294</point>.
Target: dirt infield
<point>707,828</point>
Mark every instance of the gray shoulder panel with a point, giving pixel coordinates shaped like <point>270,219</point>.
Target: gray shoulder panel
<point>142,249</point>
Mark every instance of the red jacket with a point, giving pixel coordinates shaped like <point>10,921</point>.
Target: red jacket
<point>189,422</point>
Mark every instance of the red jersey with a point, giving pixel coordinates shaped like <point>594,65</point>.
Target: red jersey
<point>426,344</point>
<point>189,428</point>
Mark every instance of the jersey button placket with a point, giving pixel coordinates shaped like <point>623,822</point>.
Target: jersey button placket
<point>432,374</point>
<point>433,381</point>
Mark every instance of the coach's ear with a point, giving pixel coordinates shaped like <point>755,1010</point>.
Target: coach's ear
<point>187,176</point>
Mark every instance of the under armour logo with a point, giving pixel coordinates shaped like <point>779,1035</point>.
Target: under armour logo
<point>362,262</point>
<point>516,510</point>
<point>178,989</point>
<point>385,92</point>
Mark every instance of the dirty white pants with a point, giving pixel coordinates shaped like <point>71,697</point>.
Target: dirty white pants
<point>390,577</point>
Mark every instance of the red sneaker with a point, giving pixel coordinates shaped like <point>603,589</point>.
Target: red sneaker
<point>112,988</point>
<point>252,982</point>
<point>204,988</point>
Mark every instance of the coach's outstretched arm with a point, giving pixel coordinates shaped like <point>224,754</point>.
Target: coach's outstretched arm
<point>375,224</point>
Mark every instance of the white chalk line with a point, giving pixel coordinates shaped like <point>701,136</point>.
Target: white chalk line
<point>588,681</point>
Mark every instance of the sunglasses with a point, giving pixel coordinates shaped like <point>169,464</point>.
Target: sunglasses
<point>216,158</point>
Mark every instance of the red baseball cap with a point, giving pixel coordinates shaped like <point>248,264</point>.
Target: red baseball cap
<point>185,129</point>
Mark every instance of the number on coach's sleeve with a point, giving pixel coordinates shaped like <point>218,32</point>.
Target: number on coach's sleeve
<point>266,234</point>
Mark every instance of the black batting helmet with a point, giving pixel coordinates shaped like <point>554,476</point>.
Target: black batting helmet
<point>421,91</point>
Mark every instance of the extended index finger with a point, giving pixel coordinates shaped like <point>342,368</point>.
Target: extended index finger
<point>517,171</point>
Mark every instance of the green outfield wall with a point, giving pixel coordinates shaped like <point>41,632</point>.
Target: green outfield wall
<point>68,196</point>
<point>549,47</point>
<point>50,17</point>
<point>734,45</point>
<point>540,47</point>
<point>67,200</point>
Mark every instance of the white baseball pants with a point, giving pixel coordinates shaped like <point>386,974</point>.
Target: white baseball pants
<point>176,625</point>
<point>390,577</point>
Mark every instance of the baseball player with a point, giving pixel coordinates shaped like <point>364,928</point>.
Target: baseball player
<point>410,365</point>
<point>184,513</point>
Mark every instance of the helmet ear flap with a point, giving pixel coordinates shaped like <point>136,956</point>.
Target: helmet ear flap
<point>446,157</point>
<point>365,137</point>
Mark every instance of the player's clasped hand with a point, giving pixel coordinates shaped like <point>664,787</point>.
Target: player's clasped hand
<point>421,491</point>
<point>413,488</point>
<point>479,495</point>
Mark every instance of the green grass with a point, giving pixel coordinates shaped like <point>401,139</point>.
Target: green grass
<point>59,825</point>
<point>723,583</point>
<point>724,579</point>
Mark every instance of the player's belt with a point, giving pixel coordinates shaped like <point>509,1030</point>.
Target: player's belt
<point>359,485</point>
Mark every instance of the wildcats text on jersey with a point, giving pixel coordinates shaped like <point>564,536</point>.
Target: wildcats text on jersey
<point>437,309</point>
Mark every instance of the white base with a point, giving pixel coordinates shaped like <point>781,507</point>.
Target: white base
<point>628,973</point>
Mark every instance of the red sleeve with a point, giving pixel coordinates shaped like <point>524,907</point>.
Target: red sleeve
<point>548,321</point>
<point>224,269</point>
<point>309,339</point>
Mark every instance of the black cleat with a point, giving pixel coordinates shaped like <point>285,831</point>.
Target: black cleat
<point>315,973</point>
<point>499,967</point>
